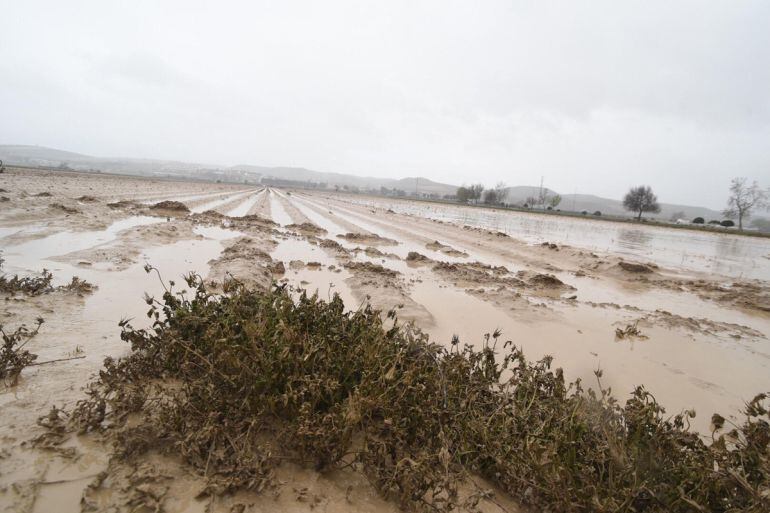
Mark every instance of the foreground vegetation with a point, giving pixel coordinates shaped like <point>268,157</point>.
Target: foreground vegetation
<point>237,383</point>
<point>13,355</point>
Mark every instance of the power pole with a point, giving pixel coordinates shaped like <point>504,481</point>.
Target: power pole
<point>540,198</point>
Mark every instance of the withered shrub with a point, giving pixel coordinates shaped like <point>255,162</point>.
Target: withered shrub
<point>238,382</point>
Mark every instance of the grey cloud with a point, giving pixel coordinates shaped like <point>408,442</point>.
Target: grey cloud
<point>594,96</point>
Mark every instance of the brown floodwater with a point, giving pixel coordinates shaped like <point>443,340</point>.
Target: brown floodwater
<point>726,254</point>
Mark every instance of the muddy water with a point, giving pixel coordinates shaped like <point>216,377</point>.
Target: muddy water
<point>244,208</point>
<point>321,280</point>
<point>184,198</point>
<point>683,368</point>
<point>87,327</point>
<point>277,211</point>
<point>725,254</point>
<point>213,205</point>
<point>406,243</point>
<point>27,257</point>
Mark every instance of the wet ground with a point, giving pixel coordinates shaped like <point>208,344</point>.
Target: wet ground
<point>700,300</point>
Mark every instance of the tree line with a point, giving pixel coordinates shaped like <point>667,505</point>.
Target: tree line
<point>744,200</point>
<point>476,193</point>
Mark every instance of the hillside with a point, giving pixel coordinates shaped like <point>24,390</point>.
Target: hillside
<point>578,202</point>
<point>420,184</point>
<point>517,195</point>
<point>49,157</point>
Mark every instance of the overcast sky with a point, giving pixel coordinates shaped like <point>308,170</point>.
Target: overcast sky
<point>595,96</point>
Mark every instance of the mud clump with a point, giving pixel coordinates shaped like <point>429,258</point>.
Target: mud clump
<point>171,206</point>
<point>633,267</point>
<point>296,264</point>
<point>353,236</point>
<point>122,204</point>
<point>743,294</point>
<point>416,257</point>
<point>373,252</point>
<point>367,238</point>
<point>43,195</point>
<point>87,199</point>
<point>546,280</point>
<point>209,216</point>
<point>253,218</point>
<point>369,267</point>
<point>330,244</point>
<point>253,378</point>
<point>443,248</point>
<point>306,227</point>
<point>64,208</point>
<point>277,268</point>
<point>248,259</point>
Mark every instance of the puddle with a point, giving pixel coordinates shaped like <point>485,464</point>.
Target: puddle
<point>322,280</point>
<point>217,233</point>
<point>90,325</point>
<point>243,209</point>
<point>26,256</point>
<point>189,197</point>
<point>681,372</point>
<point>725,254</point>
<point>213,205</point>
<point>277,210</point>
<point>404,246</point>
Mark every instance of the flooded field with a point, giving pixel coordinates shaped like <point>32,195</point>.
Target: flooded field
<point>726,254</point>
<point>699,303</point>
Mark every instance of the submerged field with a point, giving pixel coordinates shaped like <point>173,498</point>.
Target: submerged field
<point>686,314</point>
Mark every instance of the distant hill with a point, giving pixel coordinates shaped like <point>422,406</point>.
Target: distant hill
<point>422,185</point>
<point>19,154</point>
<point>42,156</point>
<point>49,157</point>
<point>517,195</point>
<point>578,202</point>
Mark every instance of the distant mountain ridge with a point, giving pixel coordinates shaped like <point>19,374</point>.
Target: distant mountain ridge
<point>423,185</point>
<point>42,156</point>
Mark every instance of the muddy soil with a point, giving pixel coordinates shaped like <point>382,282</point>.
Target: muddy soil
<point>703,340</point>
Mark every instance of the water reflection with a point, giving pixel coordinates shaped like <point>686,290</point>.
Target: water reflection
<point>727,254</point>
<point>634,240</point>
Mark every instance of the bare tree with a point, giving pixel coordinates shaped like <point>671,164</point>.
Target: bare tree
<point>491,197</point>
<point>463,194</point>
<point>641,199</point>
<point>744,199</point>
<point>500,191</point>
<point>476,190</point>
